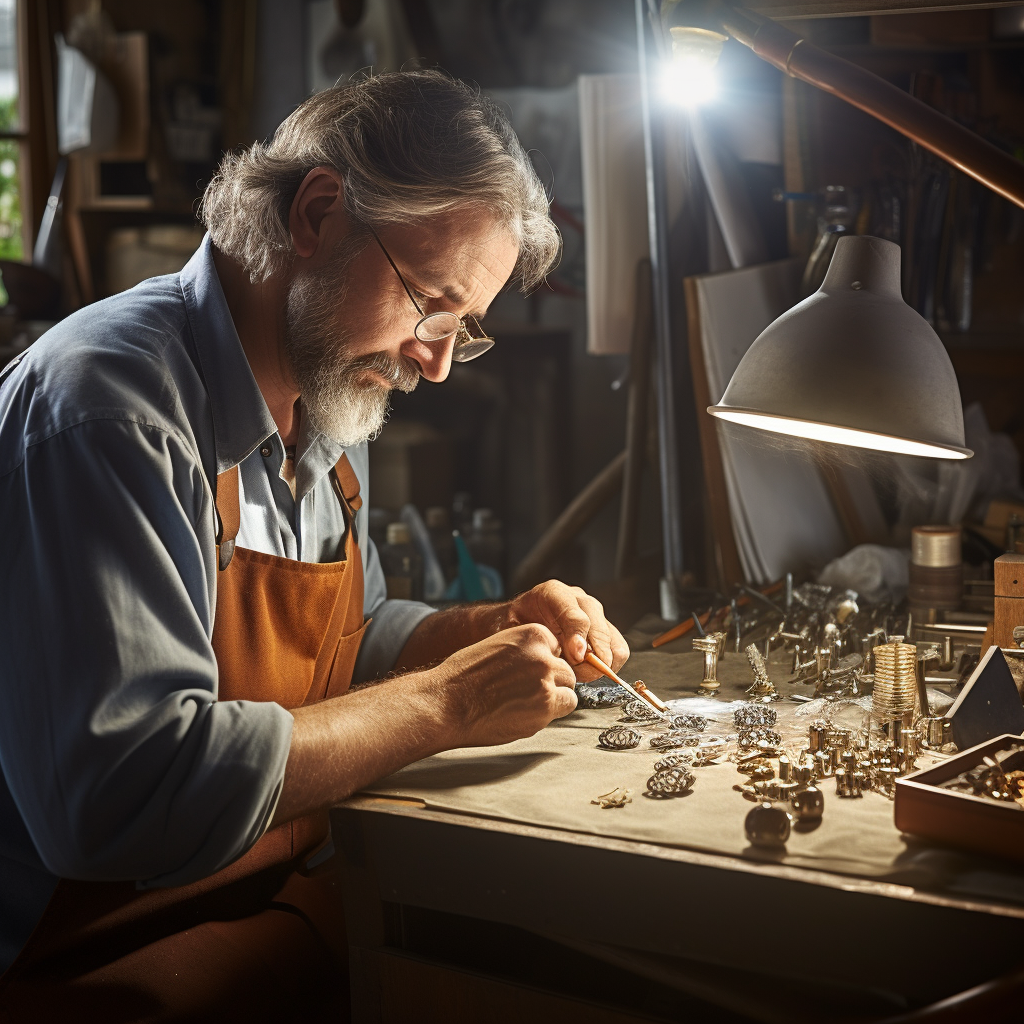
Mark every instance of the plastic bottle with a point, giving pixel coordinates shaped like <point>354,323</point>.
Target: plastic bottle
<point>485,541</point>
<point>439,525</point>
<point>402,565</point>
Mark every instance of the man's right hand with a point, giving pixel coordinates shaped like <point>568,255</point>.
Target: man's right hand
<point>504,687</point>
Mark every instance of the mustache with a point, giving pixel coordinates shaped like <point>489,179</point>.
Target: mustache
<point>401,373</point>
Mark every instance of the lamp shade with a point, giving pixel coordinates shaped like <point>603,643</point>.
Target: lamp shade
<point>852,364</point>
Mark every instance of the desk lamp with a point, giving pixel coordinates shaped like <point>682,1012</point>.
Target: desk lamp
<point>852,364</point>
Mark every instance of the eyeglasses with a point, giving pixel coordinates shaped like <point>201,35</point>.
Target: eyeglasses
<point>433,327</point>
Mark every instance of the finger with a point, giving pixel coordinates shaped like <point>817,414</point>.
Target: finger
<point>600,634</point>
<point>586,673</point>
<point>572,626</point>
<point>538,633</point>
<point>620,650</point>
<point>563,701</point>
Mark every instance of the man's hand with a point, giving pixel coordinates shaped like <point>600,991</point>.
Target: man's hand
<point>576,619</point>
<point>507,686</point>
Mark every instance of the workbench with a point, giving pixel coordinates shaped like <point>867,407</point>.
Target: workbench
<point>483,884</point>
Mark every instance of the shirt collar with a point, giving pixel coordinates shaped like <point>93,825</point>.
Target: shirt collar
<point>241,419</point>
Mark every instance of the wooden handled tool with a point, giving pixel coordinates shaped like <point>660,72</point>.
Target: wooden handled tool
<point>646,696</point>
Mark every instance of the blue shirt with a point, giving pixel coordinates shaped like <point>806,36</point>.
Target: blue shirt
<point>118,761</point>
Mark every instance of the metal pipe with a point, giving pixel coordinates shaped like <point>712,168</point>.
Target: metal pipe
<point>800,59</point>
<point>657,227</point>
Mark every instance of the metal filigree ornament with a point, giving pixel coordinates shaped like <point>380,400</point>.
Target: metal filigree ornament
<point>683,759</point>
<point>620,737</point>
<point>672,740</point>
<point>751,716</point>
<point>758,737</point>
<point>698,723</point>
<point>592,696</point>
<point>670,782</point>
<point>639,711</point>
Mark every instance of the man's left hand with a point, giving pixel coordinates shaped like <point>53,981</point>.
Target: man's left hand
<point>576,619</point>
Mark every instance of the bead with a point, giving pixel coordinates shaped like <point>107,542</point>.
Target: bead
<point>808,804</point>
<point>767,826</point>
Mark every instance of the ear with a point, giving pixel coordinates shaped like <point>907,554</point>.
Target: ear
<point>320,195</point>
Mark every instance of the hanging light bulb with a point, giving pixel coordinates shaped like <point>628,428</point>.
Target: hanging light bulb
<point>691,77</point>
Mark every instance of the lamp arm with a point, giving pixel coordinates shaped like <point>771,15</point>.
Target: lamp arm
<point>943,136</point>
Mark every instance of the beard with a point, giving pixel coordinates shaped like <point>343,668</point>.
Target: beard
<point>341,397</point>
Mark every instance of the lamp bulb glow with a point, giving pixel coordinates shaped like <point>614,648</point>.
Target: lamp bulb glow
<point>691,77</point>
<point>833,434</point>
<point>688,83</point>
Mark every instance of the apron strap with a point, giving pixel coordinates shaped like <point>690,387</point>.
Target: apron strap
<point>344,480</point>
<point>346,487</point>
<point>348,483</point>
<point>228,516</point>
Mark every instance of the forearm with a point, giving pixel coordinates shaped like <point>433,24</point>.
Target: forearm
<point>440,635</point>
<point>342,744</point>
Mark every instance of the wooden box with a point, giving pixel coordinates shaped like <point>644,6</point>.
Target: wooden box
<point>961,819</point>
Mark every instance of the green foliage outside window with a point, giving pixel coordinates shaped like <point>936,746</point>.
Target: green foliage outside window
<point>10,186</point>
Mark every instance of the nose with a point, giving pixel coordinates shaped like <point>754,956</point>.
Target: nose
<point>433,358</point>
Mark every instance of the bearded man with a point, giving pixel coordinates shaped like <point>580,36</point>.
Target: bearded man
<point>189,588</point>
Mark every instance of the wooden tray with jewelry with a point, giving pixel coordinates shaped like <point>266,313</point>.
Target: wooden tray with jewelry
<point>974,800</point>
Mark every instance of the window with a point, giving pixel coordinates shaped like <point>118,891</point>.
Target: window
<point>12,134</point>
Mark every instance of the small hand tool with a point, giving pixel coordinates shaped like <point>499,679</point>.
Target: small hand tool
<point>684,627</point>
<point>646,696</point>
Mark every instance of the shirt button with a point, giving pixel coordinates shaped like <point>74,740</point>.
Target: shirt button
<point>265,452</point>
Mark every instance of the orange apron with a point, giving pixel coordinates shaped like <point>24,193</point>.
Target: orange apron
<point>258,939</point>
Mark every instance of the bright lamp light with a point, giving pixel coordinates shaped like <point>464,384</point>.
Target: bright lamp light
<point>691,77</point>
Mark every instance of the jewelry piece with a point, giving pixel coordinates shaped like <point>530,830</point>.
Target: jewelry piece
<point>752,762</point>
<point>762,773</point>
<point>762,687</point>
<point>709,646</point>
<point>808,804</point>
<point>620,737</point>
<point>590,696</point>
<point>671,740</point>
<point>767,826</point>
<point>847,784</point>
<point>698,723</point>
<point>749,793</point>
<point>930,731</point>
<point>670,782</point>
<point>638,711</point>
<point>751,716</point>
<point>754,737</point>
<point>618,797</point>
<point>683,759</point>
<point>710,749</point>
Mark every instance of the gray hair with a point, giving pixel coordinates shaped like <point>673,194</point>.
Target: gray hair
<point>408,144</point>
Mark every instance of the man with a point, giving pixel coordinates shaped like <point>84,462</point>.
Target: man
<point>188,574</point>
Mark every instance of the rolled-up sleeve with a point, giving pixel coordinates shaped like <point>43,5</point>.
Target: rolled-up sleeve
<point>118,755</point>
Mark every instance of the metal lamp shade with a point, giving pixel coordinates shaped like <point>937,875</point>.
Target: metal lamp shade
<point>852,364</point>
